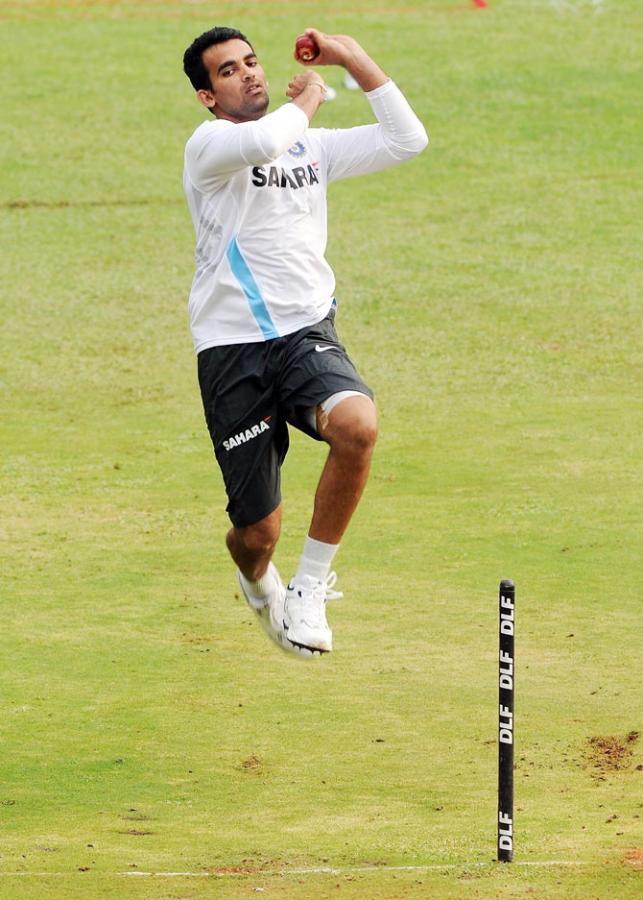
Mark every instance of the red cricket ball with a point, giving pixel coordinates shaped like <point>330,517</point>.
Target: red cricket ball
<point>306,48</point>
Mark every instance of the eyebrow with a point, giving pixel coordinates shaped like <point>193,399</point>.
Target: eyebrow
<point>231,62</point>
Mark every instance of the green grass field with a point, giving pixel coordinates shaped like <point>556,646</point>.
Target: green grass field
<point>488,292</point>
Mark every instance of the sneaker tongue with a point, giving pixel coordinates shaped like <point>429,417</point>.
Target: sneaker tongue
<point>311,582</point>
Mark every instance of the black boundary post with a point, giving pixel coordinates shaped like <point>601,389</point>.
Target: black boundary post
<point>506,689</point>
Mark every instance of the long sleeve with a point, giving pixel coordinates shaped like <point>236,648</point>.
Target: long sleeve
<point>220,148</point>
<point>398,135</point>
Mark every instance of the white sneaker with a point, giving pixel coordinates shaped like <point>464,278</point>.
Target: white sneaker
<point>305,622</point>
<point>270,611</point>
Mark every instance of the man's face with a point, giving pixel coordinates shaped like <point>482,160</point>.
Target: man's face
<point>239,88</point>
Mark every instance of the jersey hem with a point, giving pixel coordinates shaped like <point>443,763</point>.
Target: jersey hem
<point>259,338</point>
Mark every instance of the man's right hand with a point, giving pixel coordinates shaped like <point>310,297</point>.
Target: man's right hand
<point>334,49</point>
<point>342,50</point>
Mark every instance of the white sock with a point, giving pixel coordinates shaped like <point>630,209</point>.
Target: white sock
<point>260,588</point>
<point>316,559</point>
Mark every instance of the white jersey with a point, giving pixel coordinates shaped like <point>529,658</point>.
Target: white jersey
<point>257,197</point>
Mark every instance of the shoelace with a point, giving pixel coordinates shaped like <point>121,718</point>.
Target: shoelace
<point>313,596</point>
<point>329,584</point>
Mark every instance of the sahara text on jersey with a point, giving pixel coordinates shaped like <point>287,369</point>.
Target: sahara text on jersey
<point>276,177</point>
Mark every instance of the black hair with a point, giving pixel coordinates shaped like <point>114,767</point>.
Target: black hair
<point>193,65</point>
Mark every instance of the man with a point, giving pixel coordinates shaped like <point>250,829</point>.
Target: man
<point>262,306</point>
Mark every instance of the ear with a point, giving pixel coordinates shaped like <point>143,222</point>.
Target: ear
<point>207,98</point>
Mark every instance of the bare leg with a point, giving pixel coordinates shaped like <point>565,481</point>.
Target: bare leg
<point>351,431</point>
<point>252,547</point>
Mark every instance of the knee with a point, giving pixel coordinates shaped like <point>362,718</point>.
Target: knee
<point>363,436</point>
<point>354,430</point>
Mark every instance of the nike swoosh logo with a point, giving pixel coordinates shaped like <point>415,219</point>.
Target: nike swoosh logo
<point>323,349</point>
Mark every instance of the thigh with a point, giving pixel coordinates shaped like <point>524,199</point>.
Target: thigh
<point>248,431</point>
<point>315,366</point>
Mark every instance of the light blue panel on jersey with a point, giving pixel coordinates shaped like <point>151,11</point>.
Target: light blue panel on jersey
<point>250,288</point>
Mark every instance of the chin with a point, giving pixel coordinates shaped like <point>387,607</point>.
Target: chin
<point>259,107</point>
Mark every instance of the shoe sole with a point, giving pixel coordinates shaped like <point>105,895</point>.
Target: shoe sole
<point>314,650</point>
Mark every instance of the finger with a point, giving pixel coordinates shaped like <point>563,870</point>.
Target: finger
<point>326,50</point>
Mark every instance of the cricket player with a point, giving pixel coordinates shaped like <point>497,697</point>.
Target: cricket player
<point>262,305</point>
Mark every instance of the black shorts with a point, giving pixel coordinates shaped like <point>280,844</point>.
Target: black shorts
<point>251,392</point>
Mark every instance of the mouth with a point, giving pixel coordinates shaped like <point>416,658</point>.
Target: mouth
<point>254,89</point>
